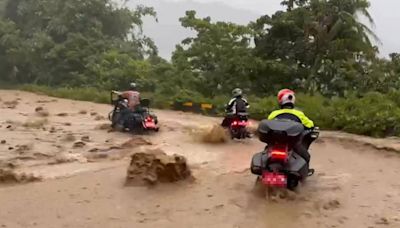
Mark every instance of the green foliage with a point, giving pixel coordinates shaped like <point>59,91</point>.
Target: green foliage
<point>375,114</point>
<point>73,43</point>
<point>319,48</point>
<point>219,57</point>
<point>318,108</point>
<point>320,44</point>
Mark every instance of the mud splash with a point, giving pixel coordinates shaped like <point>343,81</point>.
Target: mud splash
<point>40,111</point>
<point>211,134</point>
<point>9,176</point>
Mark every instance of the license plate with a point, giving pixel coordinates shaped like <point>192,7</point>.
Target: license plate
<point>274,179</point>
<point>242,123</point>
<point>150,124</point>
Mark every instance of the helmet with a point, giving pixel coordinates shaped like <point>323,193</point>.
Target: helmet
<point>237,92</point>
<point>286,96</point>
<point>132,86</point>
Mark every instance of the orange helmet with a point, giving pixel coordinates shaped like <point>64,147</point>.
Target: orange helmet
<point>286,96</point>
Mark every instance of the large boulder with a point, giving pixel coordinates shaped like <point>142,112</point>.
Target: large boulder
<point>155,166</point>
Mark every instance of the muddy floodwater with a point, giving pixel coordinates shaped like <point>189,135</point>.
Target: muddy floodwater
<point>82,168</point>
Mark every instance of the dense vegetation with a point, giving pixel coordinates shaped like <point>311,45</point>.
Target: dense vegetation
<point>317,47</point>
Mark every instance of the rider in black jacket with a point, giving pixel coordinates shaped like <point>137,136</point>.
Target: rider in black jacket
<point>236,106</point>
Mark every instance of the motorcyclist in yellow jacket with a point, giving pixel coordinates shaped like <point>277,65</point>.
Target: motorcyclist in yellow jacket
<point>286,99</point>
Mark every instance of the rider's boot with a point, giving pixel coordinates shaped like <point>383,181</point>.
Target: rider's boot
<point>311,172</point>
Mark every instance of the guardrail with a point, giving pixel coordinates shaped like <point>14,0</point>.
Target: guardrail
<point>195,107</point>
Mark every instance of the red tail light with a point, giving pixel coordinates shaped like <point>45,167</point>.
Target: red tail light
<point>239,123</point>
<point>149,123</point>
<point>279,152</point>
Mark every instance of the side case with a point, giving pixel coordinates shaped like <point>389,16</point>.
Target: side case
<point>258,163</point>
<point>297,165</point>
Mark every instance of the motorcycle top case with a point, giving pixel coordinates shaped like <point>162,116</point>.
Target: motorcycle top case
<point>279,130</point>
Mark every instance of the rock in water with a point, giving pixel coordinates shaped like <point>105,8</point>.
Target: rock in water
<point>155,166</point>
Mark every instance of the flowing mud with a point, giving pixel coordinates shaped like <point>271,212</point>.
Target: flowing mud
<point>356,184</point>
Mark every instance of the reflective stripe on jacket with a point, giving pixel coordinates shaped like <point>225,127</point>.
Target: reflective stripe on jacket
<point>303,118</point>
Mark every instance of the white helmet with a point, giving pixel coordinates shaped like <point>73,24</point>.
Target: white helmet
<point>286,96</point>
<point>132,85</point>
<point>237,92</point>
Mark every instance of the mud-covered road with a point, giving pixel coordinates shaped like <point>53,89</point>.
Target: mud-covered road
<point>84,167</point>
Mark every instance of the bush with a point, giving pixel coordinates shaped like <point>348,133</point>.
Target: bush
<point>317,108</point>
<point>261,107</point>
<point>374,114</point>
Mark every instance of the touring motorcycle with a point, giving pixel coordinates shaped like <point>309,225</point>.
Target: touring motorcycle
<point>238,126</point>
<point>138,122</point>
<point>278,165</point>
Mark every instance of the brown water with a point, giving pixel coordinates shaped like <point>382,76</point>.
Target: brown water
<point>355,186</point>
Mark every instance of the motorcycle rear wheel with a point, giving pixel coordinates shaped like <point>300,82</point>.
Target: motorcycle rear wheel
<point>292,183</point>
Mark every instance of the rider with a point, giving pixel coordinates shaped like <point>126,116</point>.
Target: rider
<point>286,99</point>
<point>236,106</point>
<point>133,97</point>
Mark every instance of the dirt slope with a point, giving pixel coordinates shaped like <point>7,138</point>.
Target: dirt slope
<point>355,185</point>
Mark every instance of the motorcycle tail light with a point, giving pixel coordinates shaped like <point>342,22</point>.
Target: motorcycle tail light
<point>279,152</point>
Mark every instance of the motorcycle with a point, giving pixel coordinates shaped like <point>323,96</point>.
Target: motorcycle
<point>238,126</point>
<point>139,122</point>
<point>279,165</point>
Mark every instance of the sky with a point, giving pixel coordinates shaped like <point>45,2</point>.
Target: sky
<point>385,13</point>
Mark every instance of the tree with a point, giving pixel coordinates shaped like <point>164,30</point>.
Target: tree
<point>321,40</point>
<point>218,57</point>
<point>60,39</point>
